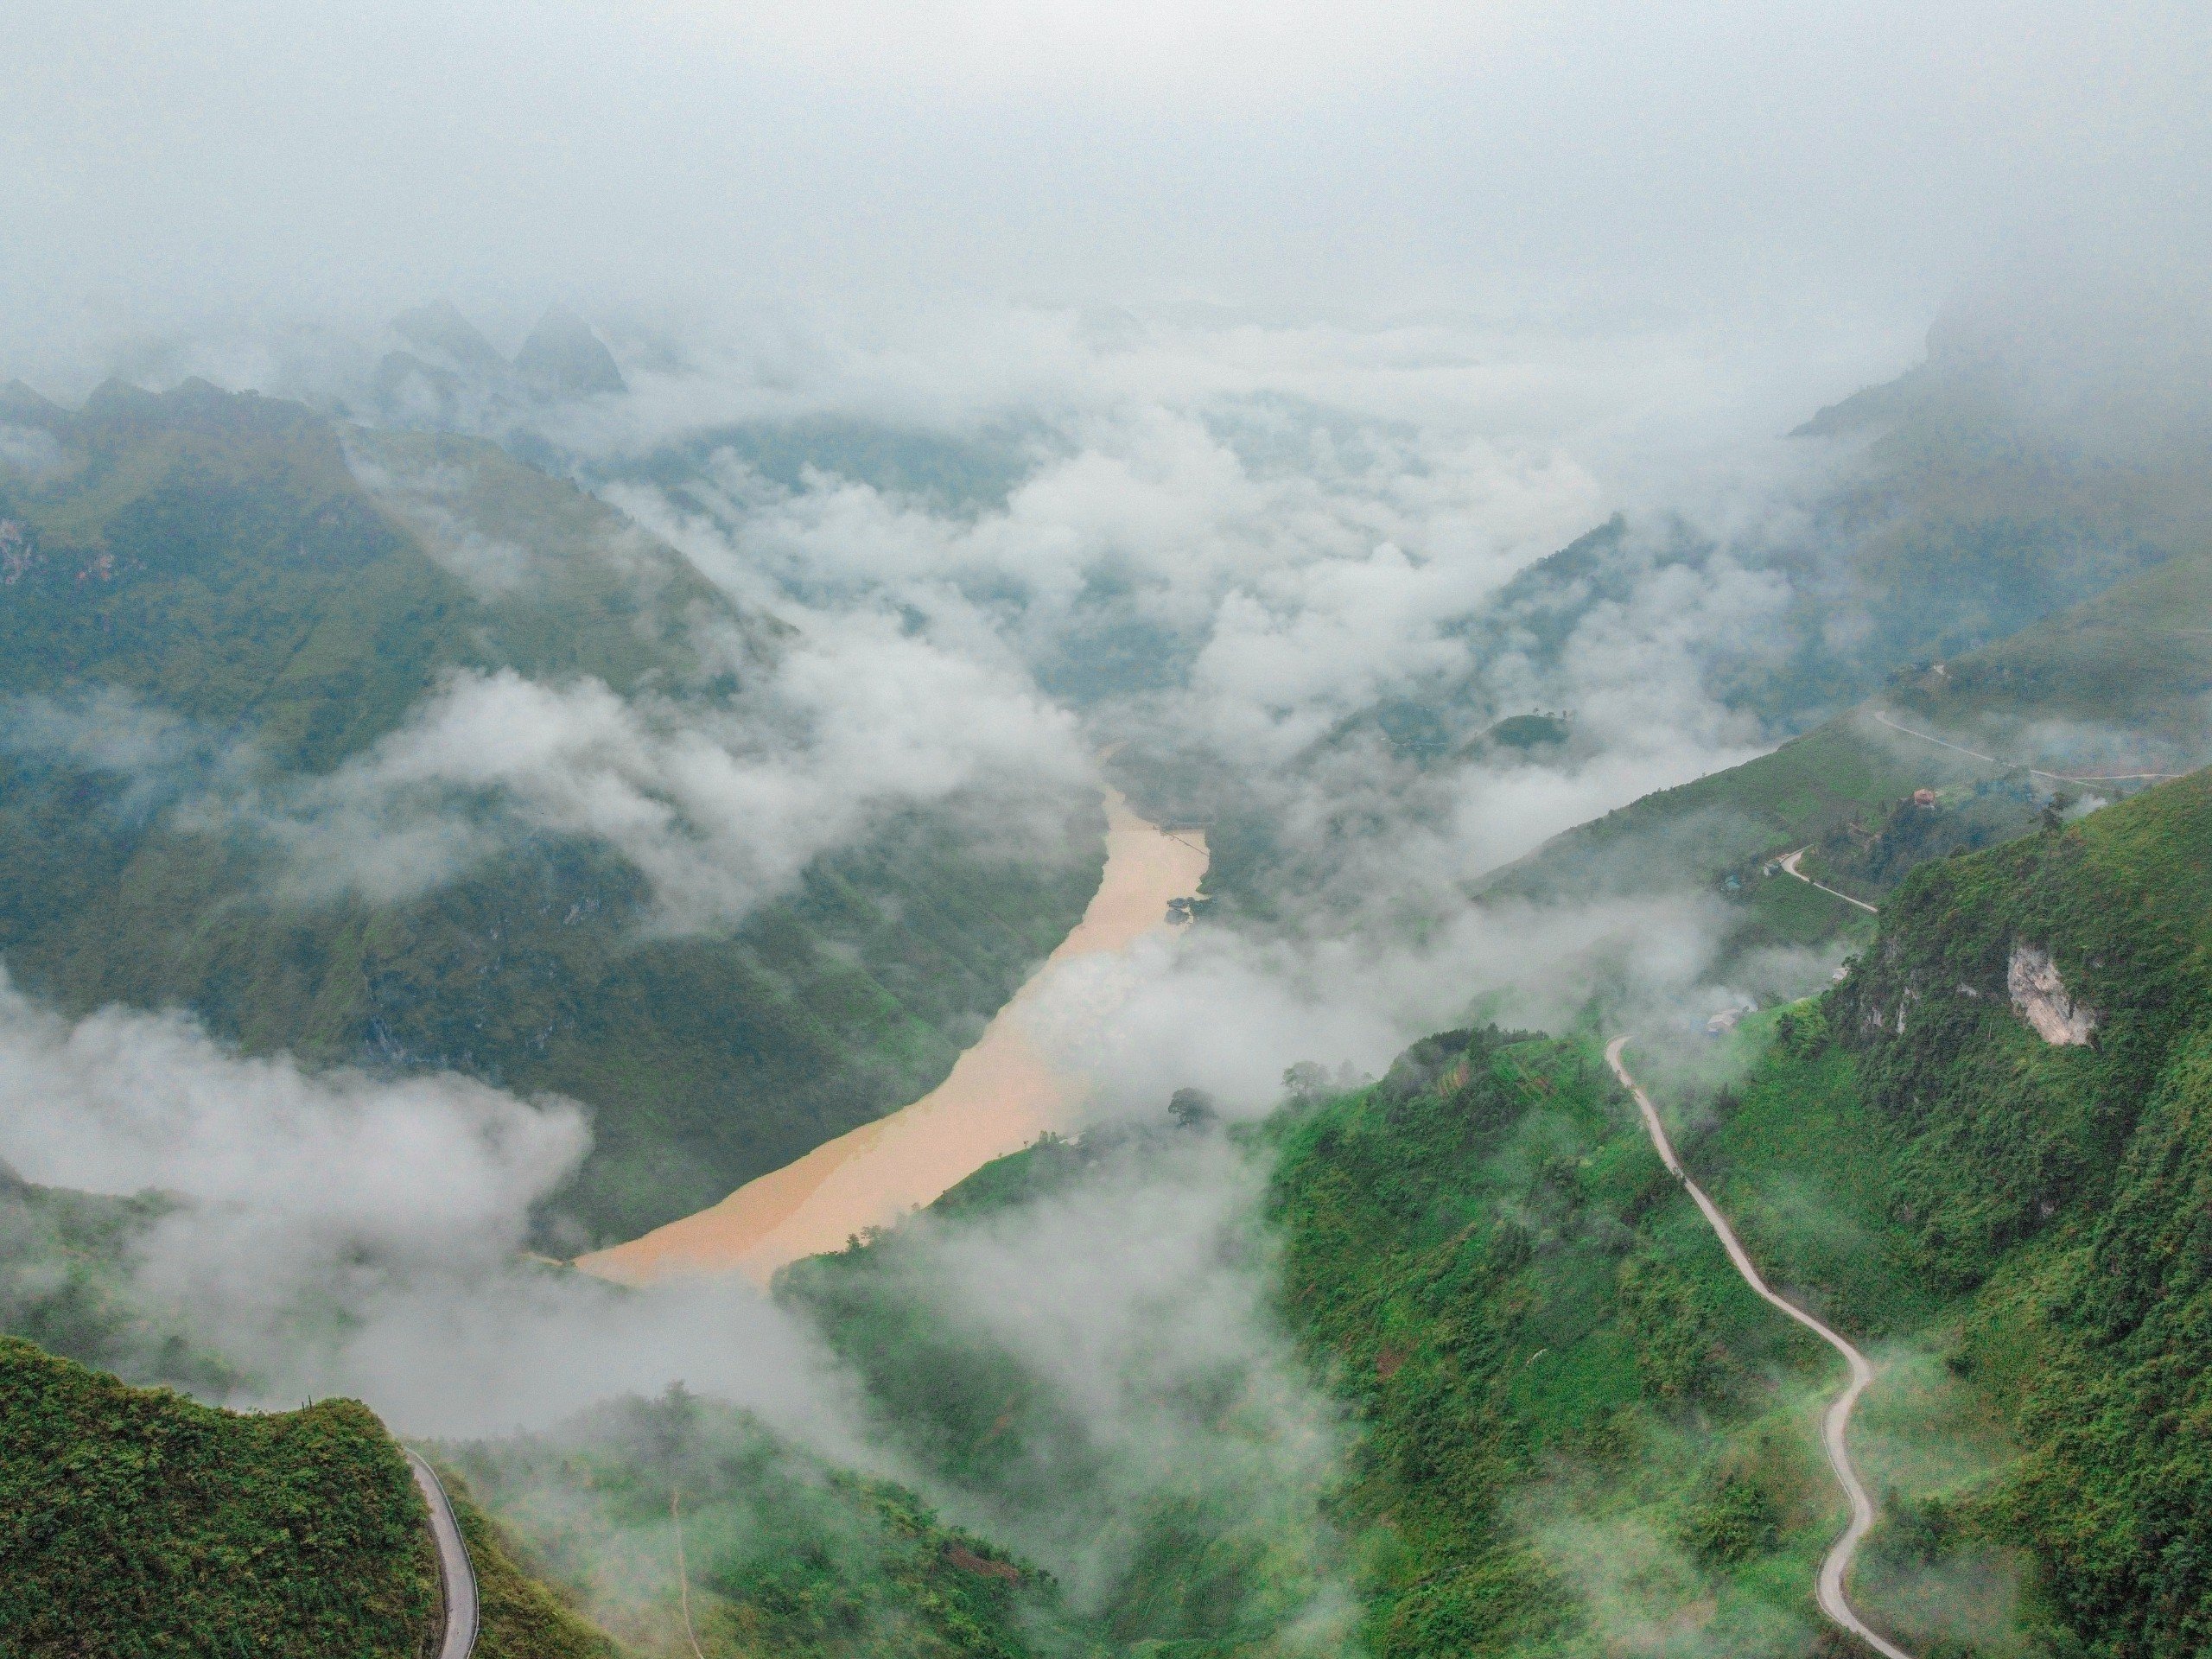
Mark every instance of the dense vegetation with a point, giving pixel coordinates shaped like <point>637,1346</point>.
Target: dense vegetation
<point>681,1519</point>
<point>1489,1266</point>
<point>1162,1484</point>
<point>214,560</point>
<point>1576,1429</point>
<point>2065,1186</point>
<point>519,1616</point>
<point>1487,1255</point>
<point>137,1522</point>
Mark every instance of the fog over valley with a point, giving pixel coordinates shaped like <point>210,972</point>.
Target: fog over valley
<point>1026,831</point>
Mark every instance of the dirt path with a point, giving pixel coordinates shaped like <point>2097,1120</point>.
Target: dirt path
<point>1835,1426</point>
<point>1790,863</point>
<point>454,1573</point>
<point>2032,772</point>
<point>1001,1093</point>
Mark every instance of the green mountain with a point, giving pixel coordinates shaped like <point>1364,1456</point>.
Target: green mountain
<point>1967,504</point>
<point>1970,509</point>
<point>2113,685</point>
<point>1576,1430</point>
<point>197,588</point>
<point>65,1284</point>
<point>134,1522</point>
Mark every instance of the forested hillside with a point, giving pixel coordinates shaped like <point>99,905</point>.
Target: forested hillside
<point>203,612</point>
<point>2063,1183</point>
<point>780,1552</point>
<point>1574,1425</point>
<point>2116,685</point>
<point>135,1522</point>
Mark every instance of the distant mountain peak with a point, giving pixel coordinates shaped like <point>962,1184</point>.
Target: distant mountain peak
<point>19,400</point>
<point>450,339</point>
<point>563,355</point>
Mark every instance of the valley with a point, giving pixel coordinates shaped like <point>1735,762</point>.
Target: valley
<point>1069,832</point>
<point>1014,1085</point>
<point>748,1009</point>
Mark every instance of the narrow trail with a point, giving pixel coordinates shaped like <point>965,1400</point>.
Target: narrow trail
<point>1834,1428</point>
<point>682,1574</point>
<point>454,1573</point>
<point>2032,772</point>
<point>1789,864</point>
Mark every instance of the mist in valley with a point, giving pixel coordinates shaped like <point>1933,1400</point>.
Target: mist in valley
<point>1387,443</point>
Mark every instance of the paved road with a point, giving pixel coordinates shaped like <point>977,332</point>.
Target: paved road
<point>1834,1571</point>
<point>453,1570</point>
<point>1790,863</point>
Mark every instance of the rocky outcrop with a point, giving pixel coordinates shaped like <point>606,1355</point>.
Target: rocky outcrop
<point>2040,995</point>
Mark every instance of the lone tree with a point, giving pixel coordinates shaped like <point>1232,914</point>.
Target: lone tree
<point>1191,1108</point>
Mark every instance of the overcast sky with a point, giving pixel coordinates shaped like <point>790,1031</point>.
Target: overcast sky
<point>1613,164</point>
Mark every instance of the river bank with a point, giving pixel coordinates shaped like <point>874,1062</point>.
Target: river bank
<point>1000,1095</point>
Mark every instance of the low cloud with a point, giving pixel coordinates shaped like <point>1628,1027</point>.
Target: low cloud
<point>722,807</point>
<point>1151,1382</point>
<point>340,1232</point>
<point>1229,1011</point>
<point>721,810</point>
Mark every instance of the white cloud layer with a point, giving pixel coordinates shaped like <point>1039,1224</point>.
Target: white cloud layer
<point>340,1232</point>
<point>721,810</point>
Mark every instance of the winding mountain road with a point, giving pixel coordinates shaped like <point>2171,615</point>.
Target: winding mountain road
<point>1789,864</point>
<point>453,1570</point>
<point>1837,1567</point>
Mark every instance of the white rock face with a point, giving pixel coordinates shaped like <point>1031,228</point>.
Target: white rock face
<point>2040,995</point>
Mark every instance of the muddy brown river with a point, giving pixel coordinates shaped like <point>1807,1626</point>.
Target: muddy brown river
<point>1014,1085</point>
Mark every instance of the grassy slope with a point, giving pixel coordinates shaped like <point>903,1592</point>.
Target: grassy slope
<point>519,1616</point>
<point>2117,683</point>
<point>135,1522</point>
<point>214,556</point>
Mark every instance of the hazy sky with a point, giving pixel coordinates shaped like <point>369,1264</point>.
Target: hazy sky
<point>1611,162</point>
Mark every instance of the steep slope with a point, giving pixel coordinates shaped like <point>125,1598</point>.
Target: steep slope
<point>1577,1428</point>
<point>779,1551</point>
<point>1955,511</point>
<point>1574,1427</point>
<point>2064,1184</point>
<point>2116,685</point>
<point>138,1523</point>
<point>524,1615</point>
<point>202,611</point>
<point>1974,501</point>
<point>1986,1151</point>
